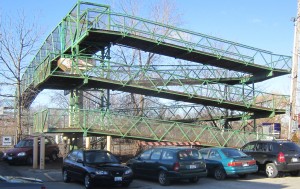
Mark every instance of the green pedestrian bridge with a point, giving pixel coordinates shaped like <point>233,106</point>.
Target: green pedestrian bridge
<point>206,73</point>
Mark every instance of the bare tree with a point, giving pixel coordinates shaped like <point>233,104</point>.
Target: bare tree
<point>164,12</point>
<point>18,36</point>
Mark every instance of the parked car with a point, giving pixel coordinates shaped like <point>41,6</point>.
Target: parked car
<point>169,163</point>
<point>21,182</point>
<point>23,151</point>
<point>95,167</point>
<point>221,162</point>
<point>275,157</point>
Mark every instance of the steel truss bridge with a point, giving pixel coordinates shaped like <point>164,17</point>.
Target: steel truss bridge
<point>206,73</point>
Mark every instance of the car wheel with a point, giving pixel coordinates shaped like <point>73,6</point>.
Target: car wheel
<point>87,181</point>
<point>243,175</point>
<point>294,173</point>
<point>53,156</point>
<point>162,178</point>
<point>219,173</point>
<point>66,176</point>
<point>271,170</point>
<point>194,180</point>
<point>29,160</point>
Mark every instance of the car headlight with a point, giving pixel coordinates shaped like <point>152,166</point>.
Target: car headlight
<point>100,172</point>
<point>22,154</point>
<point>128,171</point>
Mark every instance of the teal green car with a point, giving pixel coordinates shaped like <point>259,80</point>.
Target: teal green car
<point>221,162</point>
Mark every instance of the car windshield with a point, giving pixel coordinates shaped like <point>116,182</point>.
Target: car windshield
<point>25,143</point>
<point>100,157</point>
<point>233,152</point>
<point>189,154</point>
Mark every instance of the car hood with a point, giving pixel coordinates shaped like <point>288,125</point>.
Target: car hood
<point>18,150</point>
<point>108,166</point>
<point>15,179</point>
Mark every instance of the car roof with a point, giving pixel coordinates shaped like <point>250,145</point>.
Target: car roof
<point>172,148</point>
<point>274,141</point>
<point>218,148</point>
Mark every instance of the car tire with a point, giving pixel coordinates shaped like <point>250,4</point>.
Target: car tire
<point>294,173</point>
<point>194,180</point>
<point>29,160</point>
<point>163,179</point>
<point>271,170</point>
<point>87,182</point>
<point>219,173</point>
<point>126,184</point>
<point>66,177</point>
<point>53,156</point>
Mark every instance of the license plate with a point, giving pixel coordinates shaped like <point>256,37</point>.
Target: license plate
<point>9,158</point>
<point>118,178</point>
<point>294,159</point>
<point>245,164</point>
<point>193,166</point>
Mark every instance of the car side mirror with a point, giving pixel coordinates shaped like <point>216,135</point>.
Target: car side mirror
<point>79,161</point>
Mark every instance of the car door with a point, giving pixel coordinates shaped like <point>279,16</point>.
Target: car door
<point>153,163</point>
<point>139,162</point>
<point>78,167</point>
<point>214,159</point>
<point>68,164</point>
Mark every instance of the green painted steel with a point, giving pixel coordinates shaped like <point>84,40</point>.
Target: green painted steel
<point>95,18</point>
<point>97,123</point>
<point>162,82</point>
<point>68,55</point>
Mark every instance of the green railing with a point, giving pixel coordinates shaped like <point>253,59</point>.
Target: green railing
<point>90,17</point>
<point>159,79</point>
<point>136,27</point>
<point>96,122</point>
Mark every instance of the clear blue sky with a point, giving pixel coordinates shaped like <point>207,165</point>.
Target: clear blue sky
<point>264,24</point>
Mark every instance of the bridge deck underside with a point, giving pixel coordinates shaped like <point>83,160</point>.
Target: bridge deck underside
<point>68,83</point>
<point>103,38</point>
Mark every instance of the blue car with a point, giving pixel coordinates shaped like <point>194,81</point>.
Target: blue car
<point>221,162</point>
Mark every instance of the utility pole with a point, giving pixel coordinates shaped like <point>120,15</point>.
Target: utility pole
<point>294,72</point>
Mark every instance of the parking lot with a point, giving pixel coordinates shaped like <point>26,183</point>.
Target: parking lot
<point>53,180</point>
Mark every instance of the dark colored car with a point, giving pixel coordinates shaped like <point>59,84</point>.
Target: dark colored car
<point>95,167</point>
<point>23,151</point>
<point>221,162</point>
<point>21,182</point>
<point>275,156</point>
<point>169,163</point>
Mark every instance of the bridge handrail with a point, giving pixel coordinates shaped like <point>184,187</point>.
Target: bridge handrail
<point>104,122</point>
<point>125,75</point>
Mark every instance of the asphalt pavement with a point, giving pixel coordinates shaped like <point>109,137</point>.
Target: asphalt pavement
<point>51,173</point>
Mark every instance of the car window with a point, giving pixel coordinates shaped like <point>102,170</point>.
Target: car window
<point>99,157</point>
<point>249,147</point>
<point>290,146</point>
<point>145,155</point>
<point>80,155</point>
<point>47,142</point>
<point>262,147</point>
<point>189,154</point>
<point>167,155</point>
<point>156,154</point>
<point>25,143</point>
<point>233,152</point>
<point>72,156</point>
<point>204,153</point>
<point>214,154</point>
